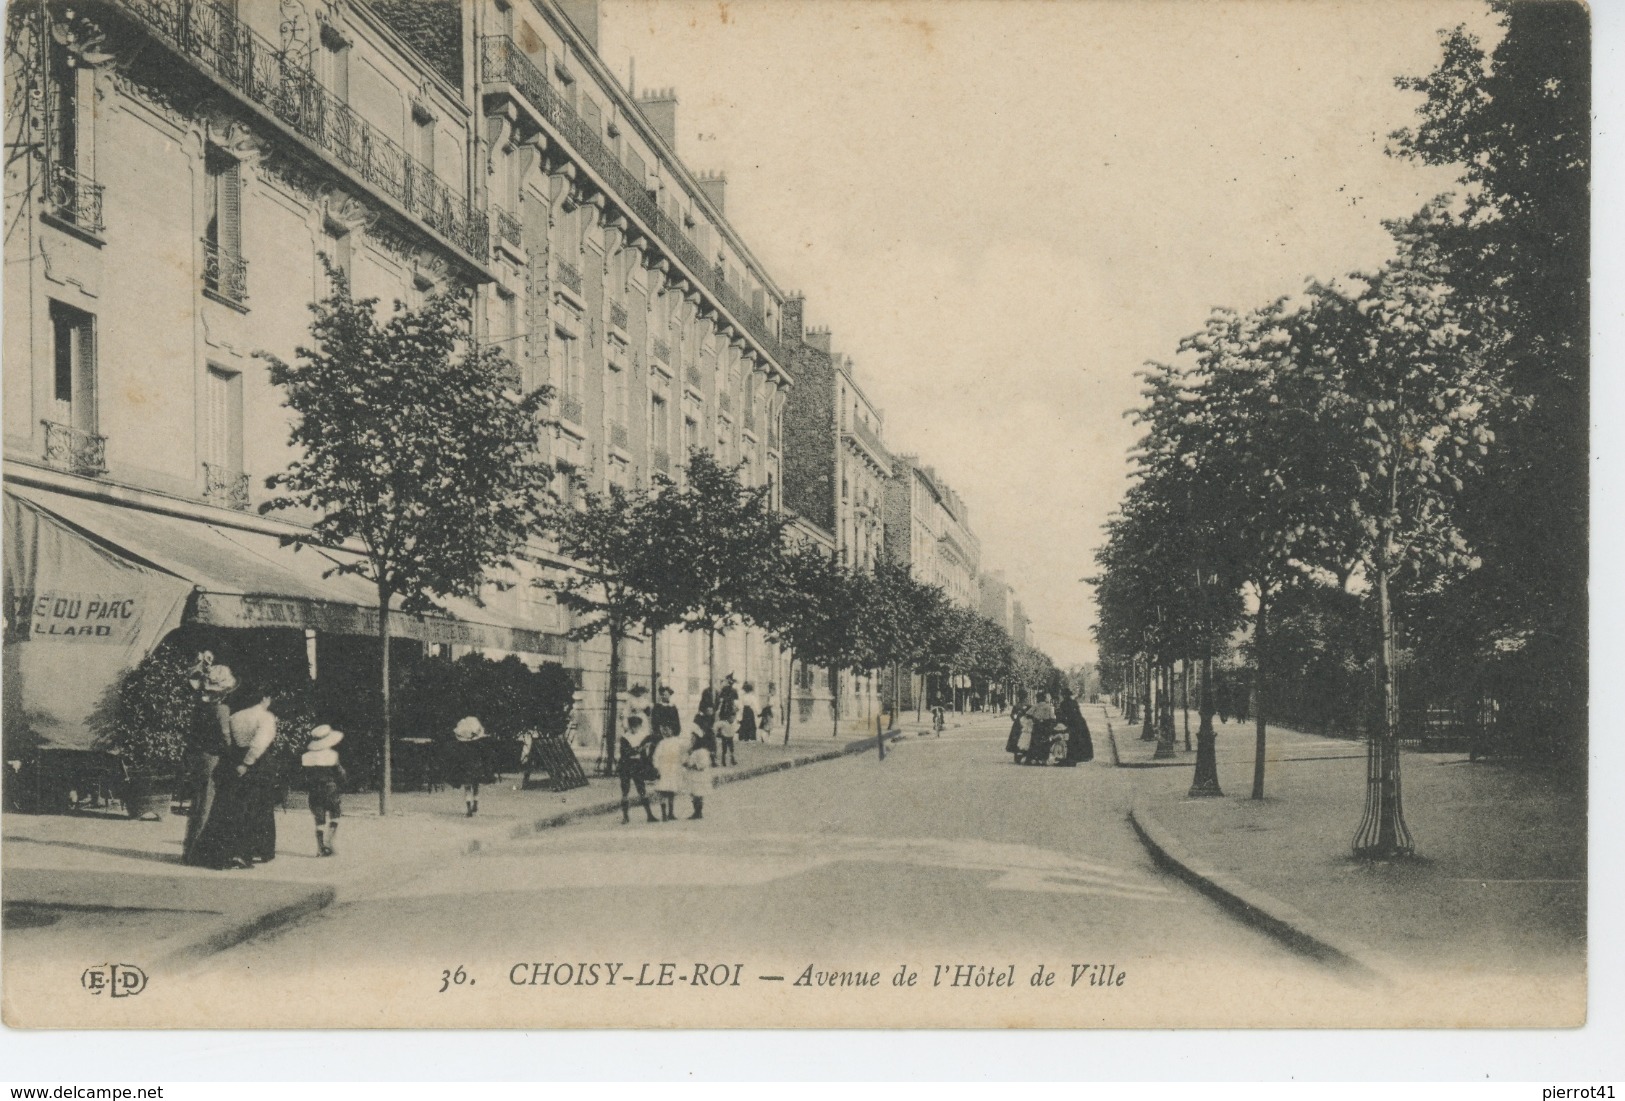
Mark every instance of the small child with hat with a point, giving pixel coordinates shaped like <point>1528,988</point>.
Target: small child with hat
<point>324,780</point>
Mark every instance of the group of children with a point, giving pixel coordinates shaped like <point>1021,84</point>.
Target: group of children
<point>654,749</point>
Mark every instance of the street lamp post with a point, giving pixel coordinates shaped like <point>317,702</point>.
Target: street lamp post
<point>1206,782</point>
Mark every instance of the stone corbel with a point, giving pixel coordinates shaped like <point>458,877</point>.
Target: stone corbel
<point>234,138</point>
<point>500,126</point>
<point>345,210</point>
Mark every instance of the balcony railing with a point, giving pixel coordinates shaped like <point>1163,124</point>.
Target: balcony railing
<point>502,61</point>
<point>74,449</point>
<point>662,460</point>
<point>225,487</point>
<point>692,374</point>
<point>224,274</point>
<point>508,228</point>
<point>662,351</point>
<point>569,276</point>
<point>617,315</point>
<point>868,437</point>
<point>282,84</point>
<point>570,409</point>
<point>618,436</point>
<point>74,197</point>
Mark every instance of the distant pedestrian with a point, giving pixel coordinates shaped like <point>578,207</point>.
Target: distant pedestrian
<point>1242,704</point>
<point>667,757</point>
<point>1221,699</point>
<point>207,736</point>
<point>769,711</point>
<point>1018,729</point>
<point>324,781</point>
<point>938,720</point>
<point>665,719</point>
<point>697,775</point>
<point>727,721</point>
<point>466,764</point>
<point>749,706</point>
<point>635,766</point>
<point>1079,746</point>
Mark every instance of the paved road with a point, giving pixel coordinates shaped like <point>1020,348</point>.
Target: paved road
<point>944,855</point>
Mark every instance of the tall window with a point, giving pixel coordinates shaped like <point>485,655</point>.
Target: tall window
<point>224,272</point>
<point>335,61</point>
<point>425,123</point>
<point>74,357</point>
<point>568,373</point>
<point>618,402</point>
<point>223,423</point>
<point>660,433</point>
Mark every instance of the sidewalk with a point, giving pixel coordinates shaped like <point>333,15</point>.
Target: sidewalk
<point>75,881</point>
<point>1497,886</point>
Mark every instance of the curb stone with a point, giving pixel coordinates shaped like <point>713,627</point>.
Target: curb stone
<point>609,806</point>
<point>1293,928</point>
<point>233,931</point>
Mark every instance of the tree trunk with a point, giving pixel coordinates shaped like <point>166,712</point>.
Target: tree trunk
<point>1166,747</point>
<point>383,663</point>
<point>896,692</point>
<point>654,665</point>
<point>1260,637</point>
<point>1185,697</point>
<point>789,697</point>
<point>711,660</point>
<point>1148,720</point>
<point>835,703</point>
<point>612,711</point>
<point>1382,831</point>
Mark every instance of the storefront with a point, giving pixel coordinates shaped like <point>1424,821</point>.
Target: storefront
<point>92,586</point>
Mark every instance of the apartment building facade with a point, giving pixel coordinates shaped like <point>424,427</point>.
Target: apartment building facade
<point>837,469</point>
<point>178,172</point>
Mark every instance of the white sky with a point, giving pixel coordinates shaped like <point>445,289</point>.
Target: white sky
<point>1004,207</point>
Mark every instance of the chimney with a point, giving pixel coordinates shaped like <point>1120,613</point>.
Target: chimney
<point>820,339</point>
<point>660,108</point>
<point>584,14</point>
<point>790,320</point>
<point>715,185</point>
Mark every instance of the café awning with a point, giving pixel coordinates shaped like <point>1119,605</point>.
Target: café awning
<point>251,579</point>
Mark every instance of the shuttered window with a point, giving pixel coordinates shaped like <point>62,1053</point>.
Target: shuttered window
<point>222,421</point>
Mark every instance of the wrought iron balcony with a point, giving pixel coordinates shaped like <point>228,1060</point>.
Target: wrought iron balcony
<point>225,487</point>
<point>74,197</point>
<point>502,61</point>
<point>74,449</point>
<point>869,439</point>
<point>508,228</point>
<point>618,436</point>
<point>280,82</point>
<point>224,274</point>
<point>617,315</point>
<point>662,351</point>
<point>569,276</point>
<point>570,408</point>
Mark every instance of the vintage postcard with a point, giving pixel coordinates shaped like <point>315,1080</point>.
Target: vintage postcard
<point>795,514</point>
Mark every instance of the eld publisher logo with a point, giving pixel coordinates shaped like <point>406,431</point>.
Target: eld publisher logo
<point>117,980</point>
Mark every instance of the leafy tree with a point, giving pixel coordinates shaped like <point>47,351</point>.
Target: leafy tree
<point>412,441</point>
<point>799,606</point>
<point>718,555</point>
<point>1406,398</point>
<point>1515,123</point>
<point>615,588</point>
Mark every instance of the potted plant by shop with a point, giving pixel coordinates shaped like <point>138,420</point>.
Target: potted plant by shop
<point>147,728</point>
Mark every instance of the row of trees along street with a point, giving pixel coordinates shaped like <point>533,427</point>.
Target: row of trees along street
<point>419,445</point>
<point>1384,474</point>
